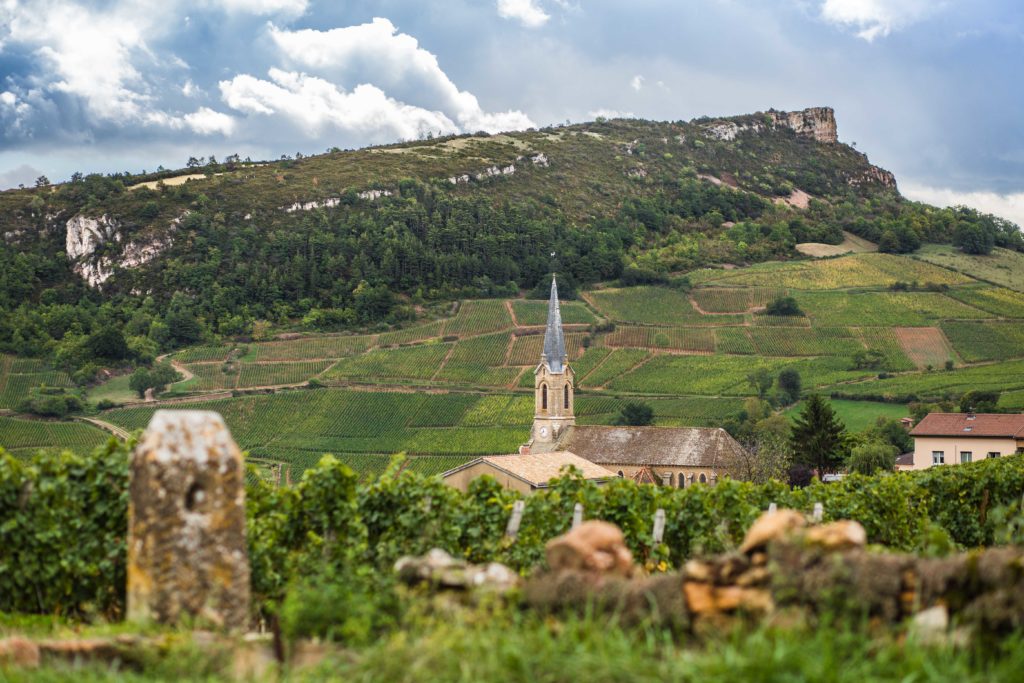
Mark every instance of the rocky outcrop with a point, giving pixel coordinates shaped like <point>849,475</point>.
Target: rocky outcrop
<point>818,123</point>
<point>873,175</point>
<point>85,236</point>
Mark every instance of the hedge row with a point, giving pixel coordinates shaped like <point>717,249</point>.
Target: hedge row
<point>63,519</point>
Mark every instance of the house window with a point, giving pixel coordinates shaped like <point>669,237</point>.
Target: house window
<point>620,474</point>
<point>565,397</point>
<point>703,479</point>
<point>681,481</point>
<point>966,456</point>
<point>543,396</point>
<point>994,454</point>
<point>938,458</point>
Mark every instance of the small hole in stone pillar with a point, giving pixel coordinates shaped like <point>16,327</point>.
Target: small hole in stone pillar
<point>194,497</point>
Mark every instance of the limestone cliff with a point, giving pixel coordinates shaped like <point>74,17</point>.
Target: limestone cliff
<point>818,123</point>
<point>87,236</point>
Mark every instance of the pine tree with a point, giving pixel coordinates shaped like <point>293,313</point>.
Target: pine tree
<point>818,436</point>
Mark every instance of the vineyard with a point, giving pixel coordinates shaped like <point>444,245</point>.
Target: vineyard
<point>530,313</point>
<point>1002,302</point>
<point>654,306</point>
<point>23,437</point>
<point>478,317</point>
<point>976,341</point>
<point>691,339</point>
<point>19,375</point>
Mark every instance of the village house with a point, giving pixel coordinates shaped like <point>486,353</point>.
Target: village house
<point>955,438</point>
<point>524,473</point>
<point>670,456</point>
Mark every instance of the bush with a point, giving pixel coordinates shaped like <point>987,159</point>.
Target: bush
<point>63,518</point>
<point>786,305</point>
<point>51,402</point>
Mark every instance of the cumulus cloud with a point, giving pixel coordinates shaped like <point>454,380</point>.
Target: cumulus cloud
<point>377,54</point>
<point>526,12</point>
<point>206,121</point>
<point>637,83</point>
<point>314,105</point>
<point>1008,206</point>
<point>264,7</point>
<point>876,18</point>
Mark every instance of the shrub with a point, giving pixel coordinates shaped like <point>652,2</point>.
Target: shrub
<point>785,305</point>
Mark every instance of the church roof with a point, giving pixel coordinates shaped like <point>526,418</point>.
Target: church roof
<point>653,446</point>
<point>554,355</point>
<point>537,469</point>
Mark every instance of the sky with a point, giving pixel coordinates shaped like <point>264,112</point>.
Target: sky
<point>929,89</point>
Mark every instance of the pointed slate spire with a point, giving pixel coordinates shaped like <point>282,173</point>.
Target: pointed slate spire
<point>554,355</point>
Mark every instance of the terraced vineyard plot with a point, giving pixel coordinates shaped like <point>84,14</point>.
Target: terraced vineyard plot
<point>697,340</point>
<point>446,413</point>
<point>19,375</point>
<point>324,346</point>
<point>733,340</point>
<point>479,317</point>
<point>27,436</point>
<point>412,334</point>
<point>526,349</point>
<point>762,320</point>
<point>199,354</point>
<point>925,346</point>
<point>695,411</point>
<point>271,374</point>
<point>887,342</point>
<point>211,377</point>
<point>883,309</point>
<point>431,465</point>
<point>734,299</point>
<point>489,410</point>
<point>619,362</point>
<point>478,359</point>
<point>979,341</point>
<point>790,341</point>
<point>1003,266</point>
<point>727,375</point>
<point>536,312</point>
<point>655,306</point>
<point>1005,376</point>
<point>587,362</point>
<point>413,362</point>
<point>1002,302</point>
<point>468,440</point>
<point>858,270</point>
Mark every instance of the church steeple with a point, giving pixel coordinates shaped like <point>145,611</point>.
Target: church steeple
<point>554,355</point>
<point>554,382</point>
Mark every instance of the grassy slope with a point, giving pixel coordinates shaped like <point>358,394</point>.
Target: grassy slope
<point>1002,267</point>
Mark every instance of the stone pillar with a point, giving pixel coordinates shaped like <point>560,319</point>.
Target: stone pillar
<point>187,553</point>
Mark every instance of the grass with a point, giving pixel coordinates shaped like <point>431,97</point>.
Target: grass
<point>115,390</point>
<point>858,415</point>
<point>496,643</point>
<point>1002,267</point>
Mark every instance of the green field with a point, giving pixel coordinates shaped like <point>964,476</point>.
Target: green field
<point>536,312</point>
<point>859,415</point>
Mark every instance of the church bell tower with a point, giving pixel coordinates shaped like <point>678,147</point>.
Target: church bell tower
<point>554,381</point>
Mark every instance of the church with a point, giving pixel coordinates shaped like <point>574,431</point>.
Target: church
<point>668,456</point>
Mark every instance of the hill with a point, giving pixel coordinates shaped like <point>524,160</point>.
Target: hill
<point>393,269</point>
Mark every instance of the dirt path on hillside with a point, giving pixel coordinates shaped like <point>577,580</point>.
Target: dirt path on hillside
<point>107,427</point>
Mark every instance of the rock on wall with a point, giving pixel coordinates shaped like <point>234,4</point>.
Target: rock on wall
<point>85,235</point>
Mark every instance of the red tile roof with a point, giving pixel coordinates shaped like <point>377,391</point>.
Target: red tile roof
<point>969,424</point>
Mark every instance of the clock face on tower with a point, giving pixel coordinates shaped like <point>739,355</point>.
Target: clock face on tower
<point>543,431</point>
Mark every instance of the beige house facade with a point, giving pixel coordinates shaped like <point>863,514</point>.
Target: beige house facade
<point>957,438</point>
<point>525,473</point>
